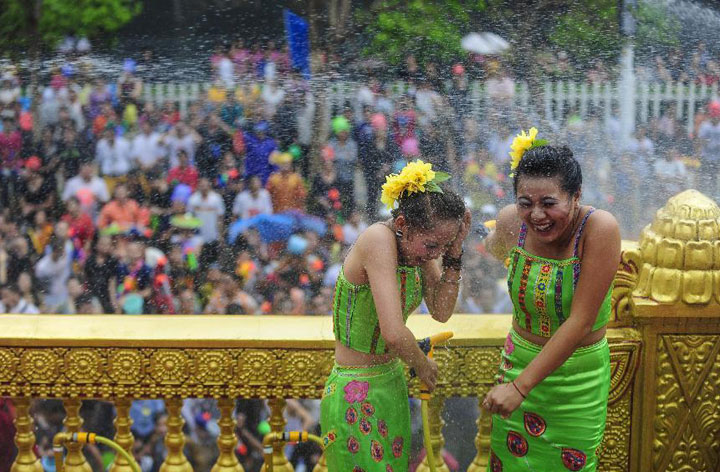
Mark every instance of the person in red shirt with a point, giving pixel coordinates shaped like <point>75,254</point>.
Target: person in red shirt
<point>184,172</point>
<point>80,223</point>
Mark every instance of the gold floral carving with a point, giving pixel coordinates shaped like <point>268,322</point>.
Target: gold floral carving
<point>687,421</point>
<point>623,286</point>
<point>679,252</point>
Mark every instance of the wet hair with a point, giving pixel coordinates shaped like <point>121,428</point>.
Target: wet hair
<point>551,161</point>
<point>424,210</point>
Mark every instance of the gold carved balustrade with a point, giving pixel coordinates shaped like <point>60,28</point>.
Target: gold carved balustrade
<point>665,358</point>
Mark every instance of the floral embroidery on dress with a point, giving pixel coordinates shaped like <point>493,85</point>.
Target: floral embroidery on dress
<point>351,415</point>
<point>382,428</point>
<point>573,459</point>
<point>329,438</point>
<point>357,468</point>
<point>534,424</point>
<point>353,445</point>
<point>365,426</point>
<point>517,445</point>
<point>509,345</point>
<point>388,468</point>
<point>329,390</point>
<point>495,464</point>
<point>397,446</point>
<point>356,391</point>
<point>367,409</point>
<point>376,451</point>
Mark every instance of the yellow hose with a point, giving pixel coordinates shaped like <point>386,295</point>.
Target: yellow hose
<point>288,436</point>
<point>430,454</point>
<point>87,438</point>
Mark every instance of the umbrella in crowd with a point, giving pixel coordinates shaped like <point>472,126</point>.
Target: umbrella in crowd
<point>484,43</point>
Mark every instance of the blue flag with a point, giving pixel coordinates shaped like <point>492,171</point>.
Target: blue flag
<point>298,40</point>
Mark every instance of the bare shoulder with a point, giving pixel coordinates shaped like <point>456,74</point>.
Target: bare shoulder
<point>602,222</point>
<point>376,241</point>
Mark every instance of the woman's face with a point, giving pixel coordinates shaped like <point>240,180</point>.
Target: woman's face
<point>547,210</point>
<point>419,246</point>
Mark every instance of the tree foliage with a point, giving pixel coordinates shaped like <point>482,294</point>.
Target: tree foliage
<point>431,30</point>
<point>27,24</point>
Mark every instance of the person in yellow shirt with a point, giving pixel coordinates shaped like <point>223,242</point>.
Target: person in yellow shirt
<point>286,187</point>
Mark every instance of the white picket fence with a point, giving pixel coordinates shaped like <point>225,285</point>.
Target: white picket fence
<point>554,101</point>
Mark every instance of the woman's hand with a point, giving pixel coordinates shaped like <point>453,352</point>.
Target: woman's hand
<point>428,374</point>
<point>502,399</point>
<point>456,246</point>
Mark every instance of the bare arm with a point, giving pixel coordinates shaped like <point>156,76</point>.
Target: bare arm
<point>378,256</point>
<point>441,284</point>
<point>506,229</point>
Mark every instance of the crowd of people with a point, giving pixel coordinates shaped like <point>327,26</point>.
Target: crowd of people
<point>239,205</point>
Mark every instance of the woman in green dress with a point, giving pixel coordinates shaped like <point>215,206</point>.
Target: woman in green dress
<point>550,404</point>
<point>392,267</point>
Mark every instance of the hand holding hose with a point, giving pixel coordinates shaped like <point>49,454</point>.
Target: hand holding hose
<point>428,374</point>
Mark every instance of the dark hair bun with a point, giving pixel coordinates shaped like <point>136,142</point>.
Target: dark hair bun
<point>551,161</point>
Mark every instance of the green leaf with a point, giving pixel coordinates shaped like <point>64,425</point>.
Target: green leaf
<point>440,176</point>
<point>539,142</point>
<point>433,187</point>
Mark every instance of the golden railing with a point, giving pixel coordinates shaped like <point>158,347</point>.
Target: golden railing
<point>663,411</point>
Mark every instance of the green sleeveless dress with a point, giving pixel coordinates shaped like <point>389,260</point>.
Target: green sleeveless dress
<point>561,423</point>
<point>365,415</point>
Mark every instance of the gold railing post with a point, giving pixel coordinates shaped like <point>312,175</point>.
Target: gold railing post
<point>175,439</point>
<point>277,423</point>
<point>321,466</point>
<point>26,460</point>
<point>227,462</point>
<point>482,439</point>
<point>75,460</point>
<point>123,435</point>
<point>437,403</point>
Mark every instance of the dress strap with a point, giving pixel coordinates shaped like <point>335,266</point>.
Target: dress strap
<point>580,230</point>
<point>522,235</point>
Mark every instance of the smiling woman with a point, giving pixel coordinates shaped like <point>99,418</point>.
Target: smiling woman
<point>550,403</point>
<point>392,267</point>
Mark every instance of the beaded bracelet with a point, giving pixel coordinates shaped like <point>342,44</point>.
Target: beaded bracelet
<point>449,262</point>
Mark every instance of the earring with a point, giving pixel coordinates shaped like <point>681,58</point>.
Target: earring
<point>399,233</point>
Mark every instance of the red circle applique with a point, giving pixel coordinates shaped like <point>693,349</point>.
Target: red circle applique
<point>382,428</point>
<point>573,459</point>
<point>376,451</point>
<point>367,409</point>
<point>495,464</point>
<point>353,445</point>
<point>397,446</point>
<point>351,415</point>
<point>365,426</point>
<point>517,444</point>
<point>534,424</point>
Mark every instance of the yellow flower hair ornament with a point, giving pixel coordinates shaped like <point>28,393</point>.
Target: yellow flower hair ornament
<point>415,177</point>
<point>522,143</point>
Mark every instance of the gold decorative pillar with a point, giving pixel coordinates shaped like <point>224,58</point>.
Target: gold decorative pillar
<point>26,460</point>
<point>227,441</point>
<point>482,440</point>
<point>435,408</point>
<point>673,291</point>
<point>123,435</point>
<point>321,466</point>
<point>74,460</point>
<point>277,423</point>
<point>175,461</point>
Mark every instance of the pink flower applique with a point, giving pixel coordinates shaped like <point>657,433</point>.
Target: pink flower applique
<point>509,345</point>
<point>356,391</point>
